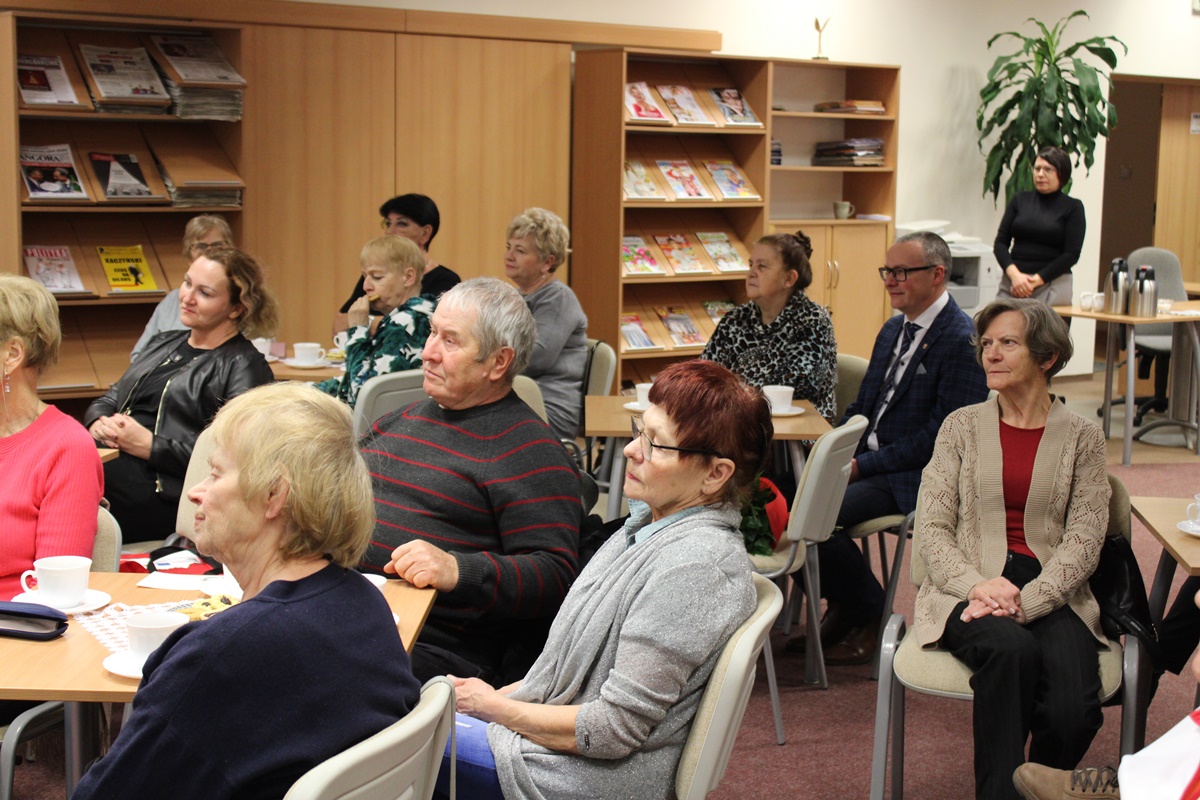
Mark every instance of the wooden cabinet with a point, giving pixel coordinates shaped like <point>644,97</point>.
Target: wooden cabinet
<point>796,195</point>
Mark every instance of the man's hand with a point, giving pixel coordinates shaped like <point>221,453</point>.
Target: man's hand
<point>422,565</point>
<point>853,470</point>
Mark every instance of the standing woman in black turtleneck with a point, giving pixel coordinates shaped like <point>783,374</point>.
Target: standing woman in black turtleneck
<point>1045,229</point>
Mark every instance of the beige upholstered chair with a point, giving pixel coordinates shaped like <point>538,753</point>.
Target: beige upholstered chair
<point>384,394</point>
<point>706,752</point>
<point>598,375</point>
<point>851,371</point>
<point>400,762</point>
<point>906,665</point>
<point>528,390</point>
<point>106,550</point>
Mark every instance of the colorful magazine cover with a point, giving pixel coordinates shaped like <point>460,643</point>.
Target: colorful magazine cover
<point>127,269</point>
<point>638,184</point>
<point>734,107</point>
<point>717,309</point>
<point>50,173</point>
<point>43,81</point>
<point>635,335</point>
<point>683,181</point>
<point>637,258</point>
<point>721,250</point>
<point>730,180</point>
<point>682,103</point>
<point>680,253</point>
<point>120,175</point>
<point>53,267</point>
<point>681,326</point>
<point>641,104</point>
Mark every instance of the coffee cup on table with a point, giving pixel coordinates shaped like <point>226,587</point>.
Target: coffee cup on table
<point>262,345</point>
<point>148,631</point>
<point>1193,513</point>
<point>308,352</point>
<point>643,394</point>
<point>339,340</point>
<point>61,580</point>
<point>1086,300</point>
<point>780,398</point>
<point>843,209</point>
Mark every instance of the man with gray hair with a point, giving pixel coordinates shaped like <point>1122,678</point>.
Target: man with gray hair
<point>474,495</point>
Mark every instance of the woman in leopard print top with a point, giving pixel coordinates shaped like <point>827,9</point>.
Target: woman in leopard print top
<point>781,336</point>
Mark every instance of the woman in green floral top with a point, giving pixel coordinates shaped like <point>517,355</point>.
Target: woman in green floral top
<point>392,339</point>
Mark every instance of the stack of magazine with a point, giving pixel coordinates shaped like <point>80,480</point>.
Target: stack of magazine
<point>860,152</point>
<point>122,80</point>
<point>197,76</point>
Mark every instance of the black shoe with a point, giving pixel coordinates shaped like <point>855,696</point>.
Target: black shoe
<point>835,626</point>
<point>857,648</point>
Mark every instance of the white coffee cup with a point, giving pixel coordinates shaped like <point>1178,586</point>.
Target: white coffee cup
<point>378,580</point>
<point>1193,512</point>
<point>262,345</point>
<point>339,340</point>
<point>61,580</point>
<point>643,394</point>
<point>1165,304</point>
<point>308,352</point>
<point>147,631</point>
<point>780,398</point>
<point>843,209</point>
<point>1086,300</point>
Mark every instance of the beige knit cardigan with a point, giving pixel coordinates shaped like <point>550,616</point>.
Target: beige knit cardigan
<point>961,516</point>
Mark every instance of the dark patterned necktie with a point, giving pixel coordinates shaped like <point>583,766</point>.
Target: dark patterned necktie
<point>906,340</point>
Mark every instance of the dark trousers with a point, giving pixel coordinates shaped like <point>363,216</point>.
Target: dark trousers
<point>1180,630</point>
<point>1038,681</point>
<point>846,578</point>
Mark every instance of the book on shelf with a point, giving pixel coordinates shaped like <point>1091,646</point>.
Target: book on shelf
<point>734,107</point>
<point>857,152</point>
<point>635,335</point>
<point>850,107</point>
<point>642,108</point>
<point>717,309</point>
<point>681,326</point>
<point>682,103</point>
<point>637,258</point>
<point>199,79</point>
<point>637,183</point>
<point>731,182</point>
<point>120,176</point>
<point>43,83</point>
<point>683,180</point>
<point>721,250</point>
<point>681,254</point>
<point>121,79</point>
<point>50,173</point>
<point>53,267</point>
<point>126,269</point>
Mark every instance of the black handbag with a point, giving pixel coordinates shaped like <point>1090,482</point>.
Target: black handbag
<point>1119,589</point>
<point>31,621</point>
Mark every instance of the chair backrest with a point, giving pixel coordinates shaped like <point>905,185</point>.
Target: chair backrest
<point>823,483</point>
<point>1168,277</point>
<point>401,761</point>
<point>106,550</point>
<point>602,368</point>
<point>719,716</point>
<point>528,390</point>
<point>384,394</point>
<point>185,517</point>
<point>850,373</point>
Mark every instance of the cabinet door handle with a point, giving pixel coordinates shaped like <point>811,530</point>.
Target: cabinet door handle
<point>838,270</point>
<point>828,274</point>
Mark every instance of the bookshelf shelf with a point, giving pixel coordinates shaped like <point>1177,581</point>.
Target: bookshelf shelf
<point>129,208</point>
<point>631,280</point>
<point>100,116</point>
<point>808,168</point>
<point>823,115</point>
<point>694,131</point>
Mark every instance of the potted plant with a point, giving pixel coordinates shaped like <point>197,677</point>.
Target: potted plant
<point>1043,94</point>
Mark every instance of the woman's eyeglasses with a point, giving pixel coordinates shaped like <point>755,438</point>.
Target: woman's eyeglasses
<point>648,447</point>
<point>202,247</point>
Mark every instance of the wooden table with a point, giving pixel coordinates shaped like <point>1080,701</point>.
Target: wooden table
<point>107,454</point>
<point>607,416</point>
<point>1111,357</point>
<point>69,668</point>
<point>1160,515</point>
<point>285,373</point>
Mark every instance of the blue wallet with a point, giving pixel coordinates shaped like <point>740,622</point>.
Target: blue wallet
<point>31,621</point>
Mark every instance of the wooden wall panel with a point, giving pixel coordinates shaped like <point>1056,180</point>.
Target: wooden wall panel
<point>10,177</point>
<point>1177,227</point>
<point>484,128</point>
<point>319,156</point>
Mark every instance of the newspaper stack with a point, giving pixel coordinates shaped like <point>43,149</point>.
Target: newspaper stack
<point>123,80</point>
<point>199,79</point>
<point>192,197</point>
<point>224,105</point>
<point>860,152</point>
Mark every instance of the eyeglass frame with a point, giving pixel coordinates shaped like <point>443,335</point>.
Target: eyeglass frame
<point>203,247</point>
<point>648,447</point>
<point>900,274</point>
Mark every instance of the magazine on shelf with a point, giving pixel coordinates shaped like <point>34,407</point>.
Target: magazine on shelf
<point>120,176</point>
<point>53,267</point>
<point>637,258</point>
<point>126,269</point>
<point>641,106</point>
<point>681,254</point>
<point>194,59</point>
<point>683,181</point>
<point>43,82</point>
<point>638,184</point>
<point>717,309</point>
<point>50,173</point>
<point>721,250</point>
<point>730,180</point>
<point>849,107</point>
<point>682,103</point>
<point>635,335</point>
<point>123,74</point>
<point>734,107</point>
<point>681,326</point>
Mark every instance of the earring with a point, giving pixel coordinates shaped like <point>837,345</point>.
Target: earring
<point>7,388</point>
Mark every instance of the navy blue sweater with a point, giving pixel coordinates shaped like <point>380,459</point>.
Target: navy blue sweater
<point>1046,233</point>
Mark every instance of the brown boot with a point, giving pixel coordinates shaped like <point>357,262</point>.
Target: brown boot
<point>834,627</point>
<point>1038,782</point>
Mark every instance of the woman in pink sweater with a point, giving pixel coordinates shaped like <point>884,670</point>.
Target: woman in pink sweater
<point>50,475</point>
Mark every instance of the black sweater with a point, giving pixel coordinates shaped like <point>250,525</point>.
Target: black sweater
<point>1046,233</point>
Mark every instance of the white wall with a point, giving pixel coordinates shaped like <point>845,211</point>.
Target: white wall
<point>941,47</point>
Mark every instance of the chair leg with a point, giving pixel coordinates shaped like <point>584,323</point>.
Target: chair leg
<point>789,616</point>
<point>773,687</point>
<point>27,725</point>
<point>1135,669</point>
<point>889,706</point>
<point>893,580</point>
<point>814,655</point>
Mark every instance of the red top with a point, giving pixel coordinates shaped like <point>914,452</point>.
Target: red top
<point>1019,447</point>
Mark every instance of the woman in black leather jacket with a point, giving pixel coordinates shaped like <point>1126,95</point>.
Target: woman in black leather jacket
<point>154,413</point>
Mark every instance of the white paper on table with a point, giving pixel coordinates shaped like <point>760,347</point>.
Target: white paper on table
<point>174,581</point>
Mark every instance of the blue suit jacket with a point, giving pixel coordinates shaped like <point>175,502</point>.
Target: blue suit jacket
<point>942,376</point>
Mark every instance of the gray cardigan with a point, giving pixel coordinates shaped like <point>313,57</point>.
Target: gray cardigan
<point>559,355</point>
<point>633,644</point>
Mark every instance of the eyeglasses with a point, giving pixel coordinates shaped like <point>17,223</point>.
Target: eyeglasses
<point>387,224</point>
<point>900,274</point>
<point>202,247</point>
<point>648,447</point>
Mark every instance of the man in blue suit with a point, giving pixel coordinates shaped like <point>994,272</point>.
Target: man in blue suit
<point>922,367</point>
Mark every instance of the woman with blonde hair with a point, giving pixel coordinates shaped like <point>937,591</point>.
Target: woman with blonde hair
<point>154,413</point>
<point>51,480</point>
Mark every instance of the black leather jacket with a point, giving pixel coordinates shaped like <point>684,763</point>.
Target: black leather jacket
<point>189,401</point>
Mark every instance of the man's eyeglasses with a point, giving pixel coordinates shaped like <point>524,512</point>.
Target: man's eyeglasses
<point>648,447</point>
<point>900,274</point>
<point>202,247</point>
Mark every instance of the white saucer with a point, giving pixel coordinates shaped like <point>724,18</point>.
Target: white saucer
<point>1187,526</point>
<point>794,411</point>
<point>291,362</point>
<point>125,664</point>
<point>92,599</point>
<point>635,407</point>
<point>271,359</point>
